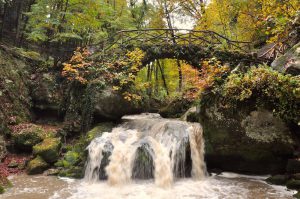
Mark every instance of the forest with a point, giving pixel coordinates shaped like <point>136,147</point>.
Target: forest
<point>149,98</point>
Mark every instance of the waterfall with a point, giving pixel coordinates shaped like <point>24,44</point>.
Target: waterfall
<point>146,146</point>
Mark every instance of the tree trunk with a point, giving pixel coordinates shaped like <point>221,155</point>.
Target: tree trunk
<point>163,77</point>
<point>179,75</point>
<point>3,20</point>
<point>18,21</point>
<point>156,77</point>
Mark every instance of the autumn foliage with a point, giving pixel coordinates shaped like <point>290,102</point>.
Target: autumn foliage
<point>77,68</point>
<point>199,81</point>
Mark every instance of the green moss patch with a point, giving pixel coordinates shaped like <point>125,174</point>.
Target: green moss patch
<point>48,149</point>
<point>37,166</point>
<point>26,138</point>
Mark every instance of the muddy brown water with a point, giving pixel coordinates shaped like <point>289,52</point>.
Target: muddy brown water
<point>226,186</point>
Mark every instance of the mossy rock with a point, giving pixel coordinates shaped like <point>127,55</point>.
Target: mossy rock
<point>293,184</point>
<point>73,172</point>
<point>70,165</point>
<point>175,109</point>
<point>26,138</point>
<point>70,159</point>
<point>278,179</point>
<point>48,149</point>
<point>99,129</point>
<point>37,166</point>
<point>244,138</point>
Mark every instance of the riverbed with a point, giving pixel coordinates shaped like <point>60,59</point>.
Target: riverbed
<point>224,186</point>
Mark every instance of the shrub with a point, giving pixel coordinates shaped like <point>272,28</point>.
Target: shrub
<point>273,89</point>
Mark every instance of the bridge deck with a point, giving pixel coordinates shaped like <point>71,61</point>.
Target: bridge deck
<point>186,37</point>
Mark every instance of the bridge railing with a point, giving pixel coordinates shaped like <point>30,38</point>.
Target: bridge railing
<point>161,37</point>
<point>276,50</point>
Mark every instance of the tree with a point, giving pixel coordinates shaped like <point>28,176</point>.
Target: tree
<point>139,12</point>
<point>12,19</point>
<point>250,20</point>
<point>67,24</point>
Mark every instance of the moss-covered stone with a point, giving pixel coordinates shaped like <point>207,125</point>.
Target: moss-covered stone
<point>71,165</point>
<point>111,105</point>
<point>73,172</point>
<point>46,93</point>
<point>243,138</point>
<point>99,129</point>
<point>175,109</point>
<point>293,184</point>
<point>37,166</point>
<point>26,138</point>
<point>48,149</point>
<point>71,159</point>
<point>278,179</point>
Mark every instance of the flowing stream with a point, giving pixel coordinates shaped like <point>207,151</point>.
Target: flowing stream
<point>146,157</point>
<point>147,146</point>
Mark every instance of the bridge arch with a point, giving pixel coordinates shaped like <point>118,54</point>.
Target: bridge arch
<point>189,45</point>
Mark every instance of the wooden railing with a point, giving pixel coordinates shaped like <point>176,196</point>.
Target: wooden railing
<point>186,37</point>
<point>276,50</point>
<point>162,37</point>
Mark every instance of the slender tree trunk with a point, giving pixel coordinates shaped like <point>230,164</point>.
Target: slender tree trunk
<point>18,21</point>
<point>3,21</point>
<point>148,78</point>
<point>156,77</point>
<point>163,77</point>
<point>179,74</point>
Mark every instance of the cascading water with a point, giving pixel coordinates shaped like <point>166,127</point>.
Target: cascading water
<point>146,146</point>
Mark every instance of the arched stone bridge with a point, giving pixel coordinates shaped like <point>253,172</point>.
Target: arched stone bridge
<point>189,45</point>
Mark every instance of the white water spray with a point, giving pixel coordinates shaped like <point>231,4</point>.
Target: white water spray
<point>144,143</point>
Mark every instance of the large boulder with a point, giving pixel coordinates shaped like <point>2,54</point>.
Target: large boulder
<point>37,166</point>
<point>111,105</point>
<point>28,136</point>
<point>175,109</point>
<point>244,138</point>
<point>45,91</point>
<point>289,62</point>
<point>48,149</point>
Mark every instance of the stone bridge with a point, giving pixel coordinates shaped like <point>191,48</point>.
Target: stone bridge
<point>193,46</point>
